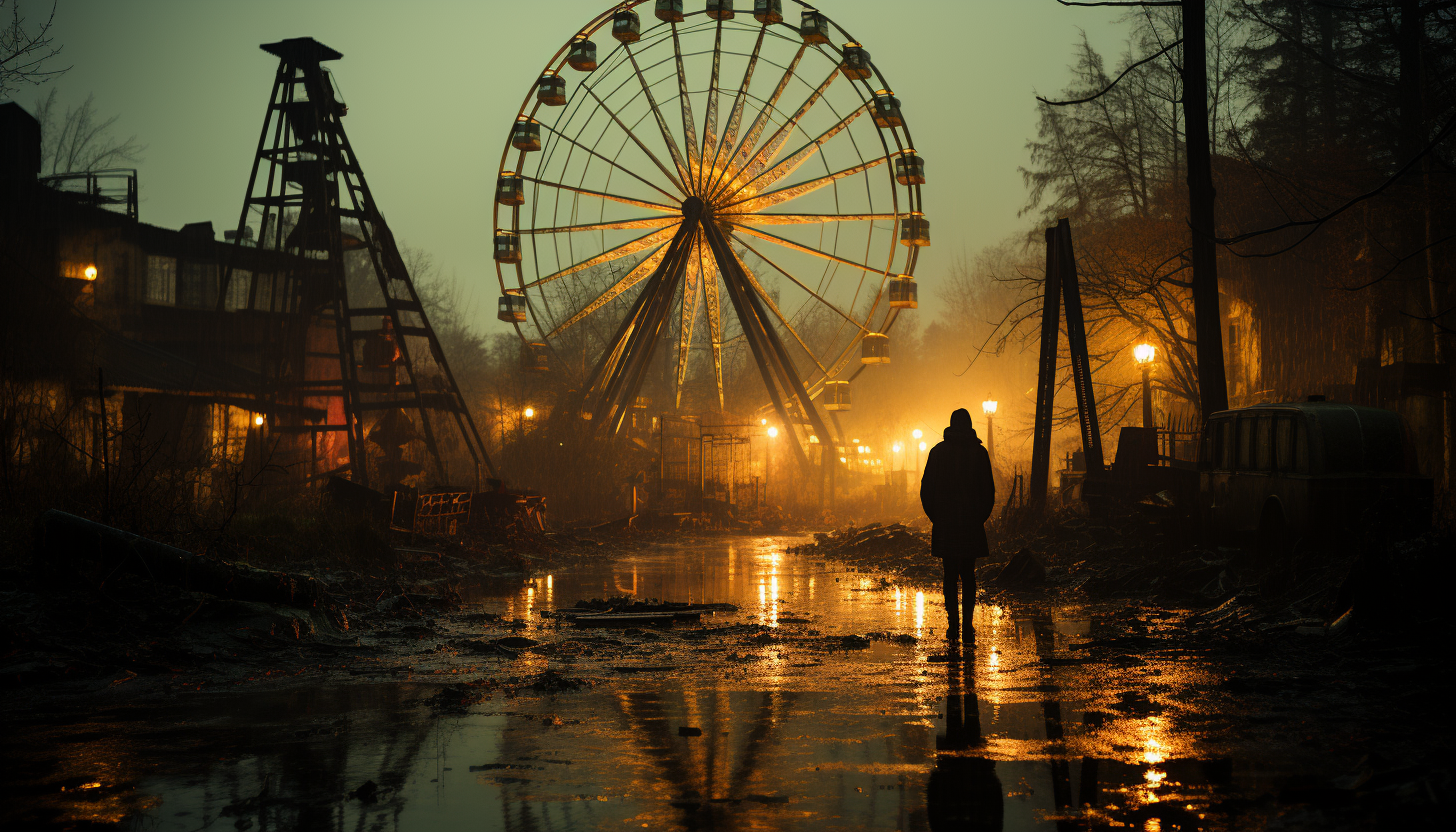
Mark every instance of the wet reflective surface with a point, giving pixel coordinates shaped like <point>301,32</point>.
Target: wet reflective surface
<point>768,718</point>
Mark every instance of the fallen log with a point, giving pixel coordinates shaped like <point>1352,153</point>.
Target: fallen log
<point>63,539</point>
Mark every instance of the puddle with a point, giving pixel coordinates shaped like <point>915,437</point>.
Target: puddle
<point>776,733</point>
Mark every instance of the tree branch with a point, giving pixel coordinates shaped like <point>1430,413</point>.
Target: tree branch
<point>1108,88</point>
<point>1318,221</point>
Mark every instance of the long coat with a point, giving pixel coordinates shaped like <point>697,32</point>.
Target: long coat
<point>957,493</point>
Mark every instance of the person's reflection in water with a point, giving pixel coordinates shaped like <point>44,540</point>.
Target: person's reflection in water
<point>964,792</point>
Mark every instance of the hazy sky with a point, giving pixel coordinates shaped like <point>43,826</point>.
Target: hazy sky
<point>433,87</point>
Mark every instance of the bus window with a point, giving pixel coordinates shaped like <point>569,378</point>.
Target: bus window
<point>1246,443</point>
<point>1284,442</point>
<point>1301,446</point>
<point>1263,460</point>
<point>1224,460</point>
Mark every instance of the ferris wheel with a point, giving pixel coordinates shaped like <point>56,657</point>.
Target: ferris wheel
<point>667,160</point>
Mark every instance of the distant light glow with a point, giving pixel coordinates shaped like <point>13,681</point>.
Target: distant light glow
<point>773,433</point>
<point>922,446</point>
<point>90,272</point>
<point>897,447</point>
<point>258,420</point>
<point>529,413</point>
<point>1144,353</point>
<point>917,433</point>
<point>842,459</point>
<point>763,421</point>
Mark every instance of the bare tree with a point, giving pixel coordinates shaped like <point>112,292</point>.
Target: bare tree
<point>81,140</point>
<point>26,52</point>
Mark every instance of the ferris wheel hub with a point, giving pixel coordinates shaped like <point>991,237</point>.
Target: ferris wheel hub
<point>693,207</point>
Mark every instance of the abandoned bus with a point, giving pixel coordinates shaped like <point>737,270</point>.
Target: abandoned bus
<point>1282,471</point>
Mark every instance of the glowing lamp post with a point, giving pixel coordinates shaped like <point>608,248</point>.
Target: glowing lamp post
<point>988,407</point>
<point>1144,354</point>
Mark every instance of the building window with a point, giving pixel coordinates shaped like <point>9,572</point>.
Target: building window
<point>162,280</point>
<point>240,283</point>
<point>263,298</point>
<point>197,288</point>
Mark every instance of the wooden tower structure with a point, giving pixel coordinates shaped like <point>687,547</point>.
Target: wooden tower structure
<point>358,374</point>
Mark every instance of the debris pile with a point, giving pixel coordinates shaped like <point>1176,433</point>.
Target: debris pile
<point>895,549</point>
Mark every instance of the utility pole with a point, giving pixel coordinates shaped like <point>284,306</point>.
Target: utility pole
<point>1208,321</point>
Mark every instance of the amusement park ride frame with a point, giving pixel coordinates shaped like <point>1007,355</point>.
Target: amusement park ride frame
<point>713,201</point>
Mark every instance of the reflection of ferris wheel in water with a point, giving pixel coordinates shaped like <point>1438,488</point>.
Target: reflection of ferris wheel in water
<point>709,154</point>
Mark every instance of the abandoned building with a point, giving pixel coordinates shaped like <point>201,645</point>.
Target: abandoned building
<point>294,349</point>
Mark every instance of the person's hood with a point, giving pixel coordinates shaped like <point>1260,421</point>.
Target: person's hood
<point>960,429</point>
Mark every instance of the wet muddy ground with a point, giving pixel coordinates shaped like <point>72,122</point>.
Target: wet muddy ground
<point>825,701</point>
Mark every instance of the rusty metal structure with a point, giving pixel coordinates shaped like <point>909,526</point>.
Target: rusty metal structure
<point>635,189</point>
<point>1061,288</point>
<point>356,371</point>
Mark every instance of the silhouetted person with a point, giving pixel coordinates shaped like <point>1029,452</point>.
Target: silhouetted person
<point>958,493</point>
<point>963,792</point>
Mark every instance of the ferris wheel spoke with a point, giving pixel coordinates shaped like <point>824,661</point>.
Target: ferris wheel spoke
<point>770,149</point>
<point>678,183</point>
<point>803,219</point>
<point>746,146</point>
<point>685,105</point>
<point>774,307</point>
<point>625,200</point>
<point>789,165</point>
<point>672,147</point>
<point>791,192</point>
<point>715,331</point>
<point>710,126</point>
<point>630,279</point>
<point>774,238</point>
<point>735,114</point>
<point>696,273</point>
<point>642,243</point>
<point>615,164</point>
<point>815,295</point>
<point>610,225</point>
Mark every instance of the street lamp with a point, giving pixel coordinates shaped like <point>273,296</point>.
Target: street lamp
<point>529,413</point>
<point>1144,354</point>
<point>988,407</point>
<point>773,432</point>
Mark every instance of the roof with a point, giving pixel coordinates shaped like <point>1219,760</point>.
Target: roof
<point>1318,407</point>
<point>301,51</point>
<point>128,363</point>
